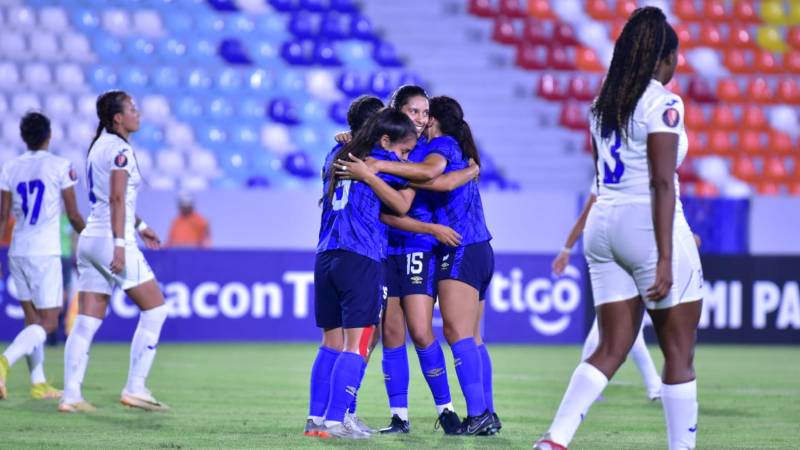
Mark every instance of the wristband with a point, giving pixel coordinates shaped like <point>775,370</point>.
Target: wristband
<point>119,242</point>
<point>567,250</point>
<point>141,227</point>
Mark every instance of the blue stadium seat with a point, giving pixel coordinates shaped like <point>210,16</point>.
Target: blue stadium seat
<point>304,25</point>
<point>338,111</point>
<point>197,79</point>
<point>355,54</point>
<point>229,80</point>
<point>325,54</point>
<point>171,50</point>
<point>292,83</point>
<point>272,26</point>
<point>140,50</point>
<point>108,48</point>
<point>361,28</point>
<point>306,137</point>
<point>150,136</point>
<point>285,5</point>
<point>166,79</point>
<point>239,25</point>
<point>209,24</point>
<point>102,78</point>
<point>259,80</point>
<point>298,53</point>
<point>203,51</point>
<point>314,112</point>
<point>213,135</point>
<point>335,26</point>
<point>133,80</point>
<point>344,6</point>
<point>250,108</point>
<point>223,5</point>
<point>299,164</point>
<point>178,23</point>
<point>315,5</point>
<point>85,19</point>
<point>352,83</point>
<point>219,108</point>
<point>282,110</point>
<point>188,107</point>
<point>234,52</point>
<point>381,83</point>
<point>265,53</point>
<point>385,54</point>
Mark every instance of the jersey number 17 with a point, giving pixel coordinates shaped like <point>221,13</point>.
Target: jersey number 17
<point>35,188</point>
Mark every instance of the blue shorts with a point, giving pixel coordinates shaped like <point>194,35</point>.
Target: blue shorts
<point>411,274</point>
<point>348,290</point>
<point>472,264</point>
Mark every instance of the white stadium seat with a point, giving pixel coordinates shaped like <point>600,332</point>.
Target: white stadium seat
<point>179,135</point>
<point>9,76</point>
<point>170,162</point>
<point>23,102</point>
<point>155,108</point>
<point>3,105</point>
<point>147,22</point>
<point>117,22</point>
<point>144,160</point>
<point>76,47</point>
<point>81,133</point>
<point>10,130</point>
<point>194,183</point>
<point>202,162</point>
<point>44,46</point>
<point>37,76</point>
<point>53,18</point>
<point>87,106</point>
<point>161,182</point>
<point>20,18</point>
<point>70,77</point>
<point>59,106</point>
<point>14,46</point>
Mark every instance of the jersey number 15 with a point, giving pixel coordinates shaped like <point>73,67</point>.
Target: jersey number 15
<point>33,187</point>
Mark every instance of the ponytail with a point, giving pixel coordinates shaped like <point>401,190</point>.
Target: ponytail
<point>109,104</point>
<point>450,116</point>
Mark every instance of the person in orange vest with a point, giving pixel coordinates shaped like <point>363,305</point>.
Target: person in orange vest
<point>189,229</point>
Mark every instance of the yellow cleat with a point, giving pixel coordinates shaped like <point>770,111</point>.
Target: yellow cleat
<point>44,391</point>
<point>142,400</point>
<point>78,407</point>
<point>3,377</point>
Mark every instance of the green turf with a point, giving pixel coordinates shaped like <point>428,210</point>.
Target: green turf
<point>255,396</point>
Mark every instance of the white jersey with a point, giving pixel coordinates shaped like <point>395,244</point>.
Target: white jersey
<point>109,153</point>
<point>622,163</point>
<point>35,180</point>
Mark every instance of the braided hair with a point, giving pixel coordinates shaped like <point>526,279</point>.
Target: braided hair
<point>389,122</point>
<point>645,40</point>
<point>109,104</point>
<point>450,116</point>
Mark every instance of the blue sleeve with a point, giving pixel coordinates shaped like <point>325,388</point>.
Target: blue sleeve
<point>394,181</point>
<point>445,147</point>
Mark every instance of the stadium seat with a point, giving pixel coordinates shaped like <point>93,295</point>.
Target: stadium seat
<point>788,91</point>
<point>683,65</point>
<point>298,53</point>
<point>179,135</point>
<point>586,60</point>
<point>735,60</point>
<point>229,80</point>
<point>793,36</point>
<point>561,58</point>
<point>223,5</point>
<point>208,25</point>
<point>335,26</point>
<point>696,144</point>
<point>616,30</point>
<point>147,22</point>
<point>775,169</point>
<point>19,17</point>
<point>504,32</point>
<point>299,164</point>
<point>117,22</point>
<point>188,107</point>
<point>361,28</point>
<point>728,90</point>
<point>540,9</point>
<point>564,34</point>
<point>581,89</point>
<point>768,188</point>
<point>599,10</point>
<point>344,6</point>
<point>758,90</point>
<point>150,136</point>
<point>511,8</point>
<point>791,62</point>
<point>325,54</point>
<point>281,110</point>
<point>686,171</point>
<point>203,162</point>
<point>81,133</point>
<point>535,31</point>
<point>687,11</point>
<point>744,11</point>
<point>779,142</point>
<point>9,76</point>
<point>625,8</point>
<point>76,47</point>
<point>198,80</point>
<point>744,169</point>
<point>549,88</point>
<point>710,35</point>
<point>531,57</point>
<point>770,38</point>
<point>695,117</point>
<point>754,118</point>
<point>58,106</point>
<point>700,91</point>
<point>219,108</point>
<point>686,37</point>
<point>304,25</point>
<point>481,8</point>
<point>14,46</point>
<point>705,189</point>
<point>714,10</point>
<point>750,141</point>
<point>155,108</point>
<point>385,55</point>
<point>719,142</point>
<point>574,117</point>
<point>45,47</point>
<point>381,83</point>
<point>740,37</point>
<point>133,80</point>
<point>234,52</point>
<point>53,19</point>
<point>723,117</point>
<point>772,12</point>
<point>86,105</point>
<point>351,83</point>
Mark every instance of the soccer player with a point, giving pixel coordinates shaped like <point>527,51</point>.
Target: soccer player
<point>108,257</point>
<point>640,250</point>
<point>34,185</point>
<point>463,272</point>
<point>639,352</point>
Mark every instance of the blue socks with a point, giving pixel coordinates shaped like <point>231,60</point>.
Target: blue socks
<point>354,404</point>
<point>431,361</point>
<point>395,376</point>
<point>467,360</point>
<point>486,363</point>
<point>321,381</point>
<point>345,379</point>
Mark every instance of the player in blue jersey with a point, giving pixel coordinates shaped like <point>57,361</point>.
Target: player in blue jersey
<point>463,272</point>
<point>348,272</point>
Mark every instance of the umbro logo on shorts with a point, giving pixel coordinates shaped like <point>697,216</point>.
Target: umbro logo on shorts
<point>416,279</point>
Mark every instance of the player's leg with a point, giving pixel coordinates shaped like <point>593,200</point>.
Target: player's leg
<point>148,297</point>
<point>40,388</point>
<point>487,370</point>
<point>91,311</point>
<point>395,365</point>
<point>479,267</point>
<point>320,383</point>
<point>48,301</point>
<point>644,363</point>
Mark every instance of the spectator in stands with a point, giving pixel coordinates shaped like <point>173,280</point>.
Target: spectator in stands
<point>189,229</point>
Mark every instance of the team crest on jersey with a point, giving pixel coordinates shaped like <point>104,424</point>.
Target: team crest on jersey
<point>121,160</point>
<point>671,117</point>
<point>73,174</point>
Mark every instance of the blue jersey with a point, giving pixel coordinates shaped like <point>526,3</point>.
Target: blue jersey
<point>351,219</point>
<point>460,209</point>
<point>402,242</point>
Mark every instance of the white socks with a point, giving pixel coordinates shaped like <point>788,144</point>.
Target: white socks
<point>25,342</point>
<point>36,364</point>
<point>680,412</point>
<point>401,412</point>
<point>586,384</point>
<point>440,408</point>
<point>143,346</point>
<point>76,356</point>
<point>644,362</point>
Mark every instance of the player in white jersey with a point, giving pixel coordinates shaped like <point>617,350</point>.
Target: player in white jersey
<point>32,187</point>
<point>641,252</point>
<point>108,257</point>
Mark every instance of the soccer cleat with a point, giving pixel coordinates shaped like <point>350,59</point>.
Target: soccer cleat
<point>449,422</point>
<point>654,395</point>
<point>311,429</point>
<point>3,376</point>
<point>546,444</point>
<point>44,391</point>
<point>359,424</point>
<point>496,426</point>
<point>81,406</point>
<point>343,430</point>
<point>143,400</point>
<point>478,425</point>
<point>397,425</point>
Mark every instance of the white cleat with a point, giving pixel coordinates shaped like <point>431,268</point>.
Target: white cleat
<point>358,424</point>
<point>545,443</point>
<point>142,400</point>
<point>81,406</point>
<point>344,430</point>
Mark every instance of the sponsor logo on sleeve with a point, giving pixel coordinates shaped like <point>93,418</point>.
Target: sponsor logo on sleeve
<point>671,117</point>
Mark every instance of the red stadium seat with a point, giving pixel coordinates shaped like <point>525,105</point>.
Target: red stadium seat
<point>675,87</point>
<point>481,8</point>
<point>512,8</point>
<point>744,169</point>
<point>686,10</point>
<point>700,91</point>
<point>714,10</point>
<point>535,32</point>
<point>754,118</point>
<point>686,172</point>
<point>540,9</point>
<point>739,36</point>
<point>549,88</point>
<point>728,90</point>
<point>616,29</point>
<point>767,62</point>
<point>719,142</point>
<point>791,61</point>
<point>710,35</point>
<point>696,145</point>
<point>564,34</point>
<point>745,11</point>
<point>683,65</point>
<point>768,188</point>
<point>775,170</point>
<point>581,89</point>
<point>560,58</point>
<point>504,31</point>
<point>750,141</point>
<point>793,36</point>
<point>758,90</point>
<point>794,188</point>
<point>695,117</point>
<point>779,142</point>
<point>531,57</point>
<point>705,189</point>
<point>788,91</point>
<point>573,117</point>
<point>599,10</point>
<point>735,60</point>
<point>686,38</point>
<point>723,117</point>
<point>586,60</point>
<point>625,8</point>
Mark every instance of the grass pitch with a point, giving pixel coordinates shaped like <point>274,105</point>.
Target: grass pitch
<point>255,396</point>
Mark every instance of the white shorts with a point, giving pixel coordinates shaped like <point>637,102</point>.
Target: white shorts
<point>620,247</point>
<point>94,266</point>
<point>38,279</point>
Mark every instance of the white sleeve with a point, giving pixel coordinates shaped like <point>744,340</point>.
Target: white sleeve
<point>121,159</point>
<point>665,116</point>
<point>67,175</point>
